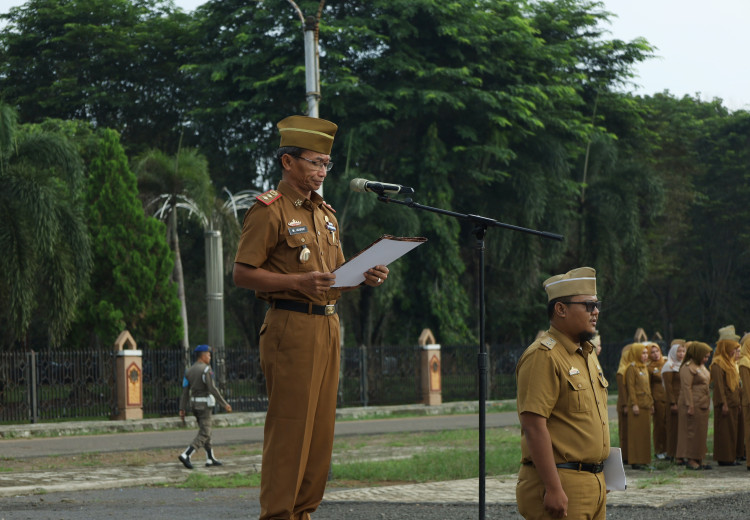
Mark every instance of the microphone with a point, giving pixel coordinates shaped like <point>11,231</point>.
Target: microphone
<point>362,185</point>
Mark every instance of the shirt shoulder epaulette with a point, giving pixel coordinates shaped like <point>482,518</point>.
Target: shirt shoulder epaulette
<point>548,342</point>
<point>329,206</point>
<point>268,197</point>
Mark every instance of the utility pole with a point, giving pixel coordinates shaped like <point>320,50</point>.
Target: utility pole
<point>310,26</point>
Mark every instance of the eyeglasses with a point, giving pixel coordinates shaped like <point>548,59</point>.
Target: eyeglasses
<point>590,306</point>
<point>317,164</point>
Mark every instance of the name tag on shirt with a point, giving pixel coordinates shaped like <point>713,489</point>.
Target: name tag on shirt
<point>297,230</point>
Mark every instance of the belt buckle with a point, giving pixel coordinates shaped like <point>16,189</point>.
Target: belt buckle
<point>330,310</point>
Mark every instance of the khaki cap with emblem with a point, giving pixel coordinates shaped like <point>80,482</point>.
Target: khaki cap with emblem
<point>728,333</point>
<point>310,133</point>
<point>581,280</point>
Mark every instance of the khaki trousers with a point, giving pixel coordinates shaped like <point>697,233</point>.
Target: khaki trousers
<point>587,494</point>
<point>204,418</point>
<point>299,355</point>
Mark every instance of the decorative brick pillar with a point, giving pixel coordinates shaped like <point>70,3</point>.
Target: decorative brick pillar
<point>129,378</point>
<point>429,364</point>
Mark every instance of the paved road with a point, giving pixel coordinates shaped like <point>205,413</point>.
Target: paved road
<point>112,442</point>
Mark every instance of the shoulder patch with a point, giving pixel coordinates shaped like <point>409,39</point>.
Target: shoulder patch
<point>329,206</point>
<point>549,342</point>
<point>269,197</point>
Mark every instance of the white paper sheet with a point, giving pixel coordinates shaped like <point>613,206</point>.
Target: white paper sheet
<point>383,251</point>
<point>614,472</point>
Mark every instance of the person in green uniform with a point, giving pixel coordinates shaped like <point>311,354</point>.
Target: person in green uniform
<point>562,407</point>
<point>290,245</point>
<point>199,394</point>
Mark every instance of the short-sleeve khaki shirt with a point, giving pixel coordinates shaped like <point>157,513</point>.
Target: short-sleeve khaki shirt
<point>555,381</point>
<point>274,236</point>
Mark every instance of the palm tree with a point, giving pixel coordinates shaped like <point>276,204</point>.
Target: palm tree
<point>182,182</point>
<point>172,178</point>
<point>221,226</point>
<point>46,254</point>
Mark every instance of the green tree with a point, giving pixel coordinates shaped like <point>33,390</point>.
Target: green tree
<point>46,257</point>
<point>182,182</point>
<point>113,63</point>
<point>481,107</point>
<point>131,285</point>
<point>164,180</point>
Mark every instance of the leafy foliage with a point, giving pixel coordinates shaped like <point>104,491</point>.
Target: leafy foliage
<point>506,109</point>
<point>46,249</point>
<point>131,285</point>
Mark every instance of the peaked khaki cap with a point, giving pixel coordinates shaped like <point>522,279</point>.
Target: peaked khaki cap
<point>310,133</point>
<point>578,281</point>
<point>728,333</point>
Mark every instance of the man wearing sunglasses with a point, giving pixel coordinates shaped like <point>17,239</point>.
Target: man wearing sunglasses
<point>290,245</point>
<point>562,406</point>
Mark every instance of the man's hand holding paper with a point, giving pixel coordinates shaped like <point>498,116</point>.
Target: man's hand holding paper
<point>359,269</point>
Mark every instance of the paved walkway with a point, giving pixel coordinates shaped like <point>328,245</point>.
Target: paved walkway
<point>643,488</point>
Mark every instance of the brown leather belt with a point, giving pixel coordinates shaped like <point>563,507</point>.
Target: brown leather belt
<point>578,466</point>
<point>306,308</point>
<point>582,466</point>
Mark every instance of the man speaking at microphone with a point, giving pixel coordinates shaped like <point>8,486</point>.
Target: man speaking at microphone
<point>290,245</point>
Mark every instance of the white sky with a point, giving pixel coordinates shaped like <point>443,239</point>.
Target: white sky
<point>701,45</point>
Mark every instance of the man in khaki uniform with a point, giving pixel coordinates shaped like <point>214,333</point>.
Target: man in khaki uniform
<point>562,406</point>
<point>200,395</point>
<point>290,245</point>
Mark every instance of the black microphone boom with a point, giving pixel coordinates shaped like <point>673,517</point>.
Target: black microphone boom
<point>362,185</point>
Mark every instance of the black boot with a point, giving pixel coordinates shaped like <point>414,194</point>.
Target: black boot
<point>210,459</point>
<point>185,457</point>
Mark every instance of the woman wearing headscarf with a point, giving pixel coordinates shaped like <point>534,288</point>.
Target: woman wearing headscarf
<point>670,375</point>
<point>656,361</point>
<point>640,407</point>
<point>744,369</point>
<point>622,403</point>
<point>693,406</point>
<point>726,382</point>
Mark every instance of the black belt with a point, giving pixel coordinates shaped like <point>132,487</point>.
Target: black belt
<point>578,466</point>
<point>582,466</point>
<point>307,308</point>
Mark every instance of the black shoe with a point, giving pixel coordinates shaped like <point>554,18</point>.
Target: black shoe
<point>724,463</point>
<point>185,461</point>
<point>213,462</point>
<point>706,466</point>
<point>637,466</point>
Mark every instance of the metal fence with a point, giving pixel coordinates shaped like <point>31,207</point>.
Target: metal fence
<point>56,385</point>
<point>60,385</point>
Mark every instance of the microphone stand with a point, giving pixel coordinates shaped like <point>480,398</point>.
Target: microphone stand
<point>480,229</point>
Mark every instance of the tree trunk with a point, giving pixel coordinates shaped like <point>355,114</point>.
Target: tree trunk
<point>180,279</point>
